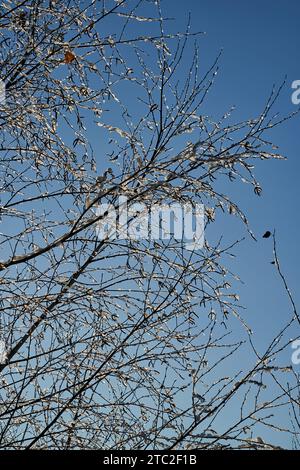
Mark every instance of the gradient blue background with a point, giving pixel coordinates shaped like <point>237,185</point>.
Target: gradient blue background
<point>260,42</point>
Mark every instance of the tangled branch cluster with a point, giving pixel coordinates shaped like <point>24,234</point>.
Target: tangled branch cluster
<point>122,344</point>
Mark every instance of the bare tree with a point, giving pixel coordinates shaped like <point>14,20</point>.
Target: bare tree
<point>111,342</point>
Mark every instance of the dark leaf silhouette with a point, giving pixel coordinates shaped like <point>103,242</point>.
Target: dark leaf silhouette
<point>267,234</point>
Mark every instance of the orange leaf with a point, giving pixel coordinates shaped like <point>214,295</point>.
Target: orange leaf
<point>69,57</point>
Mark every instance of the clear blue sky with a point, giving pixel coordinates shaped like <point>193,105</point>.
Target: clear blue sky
<point>260,40</point>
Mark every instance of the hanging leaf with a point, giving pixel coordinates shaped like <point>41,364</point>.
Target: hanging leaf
<point>257,190</point>
<point>267,234</point>
<point>69,57</point>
